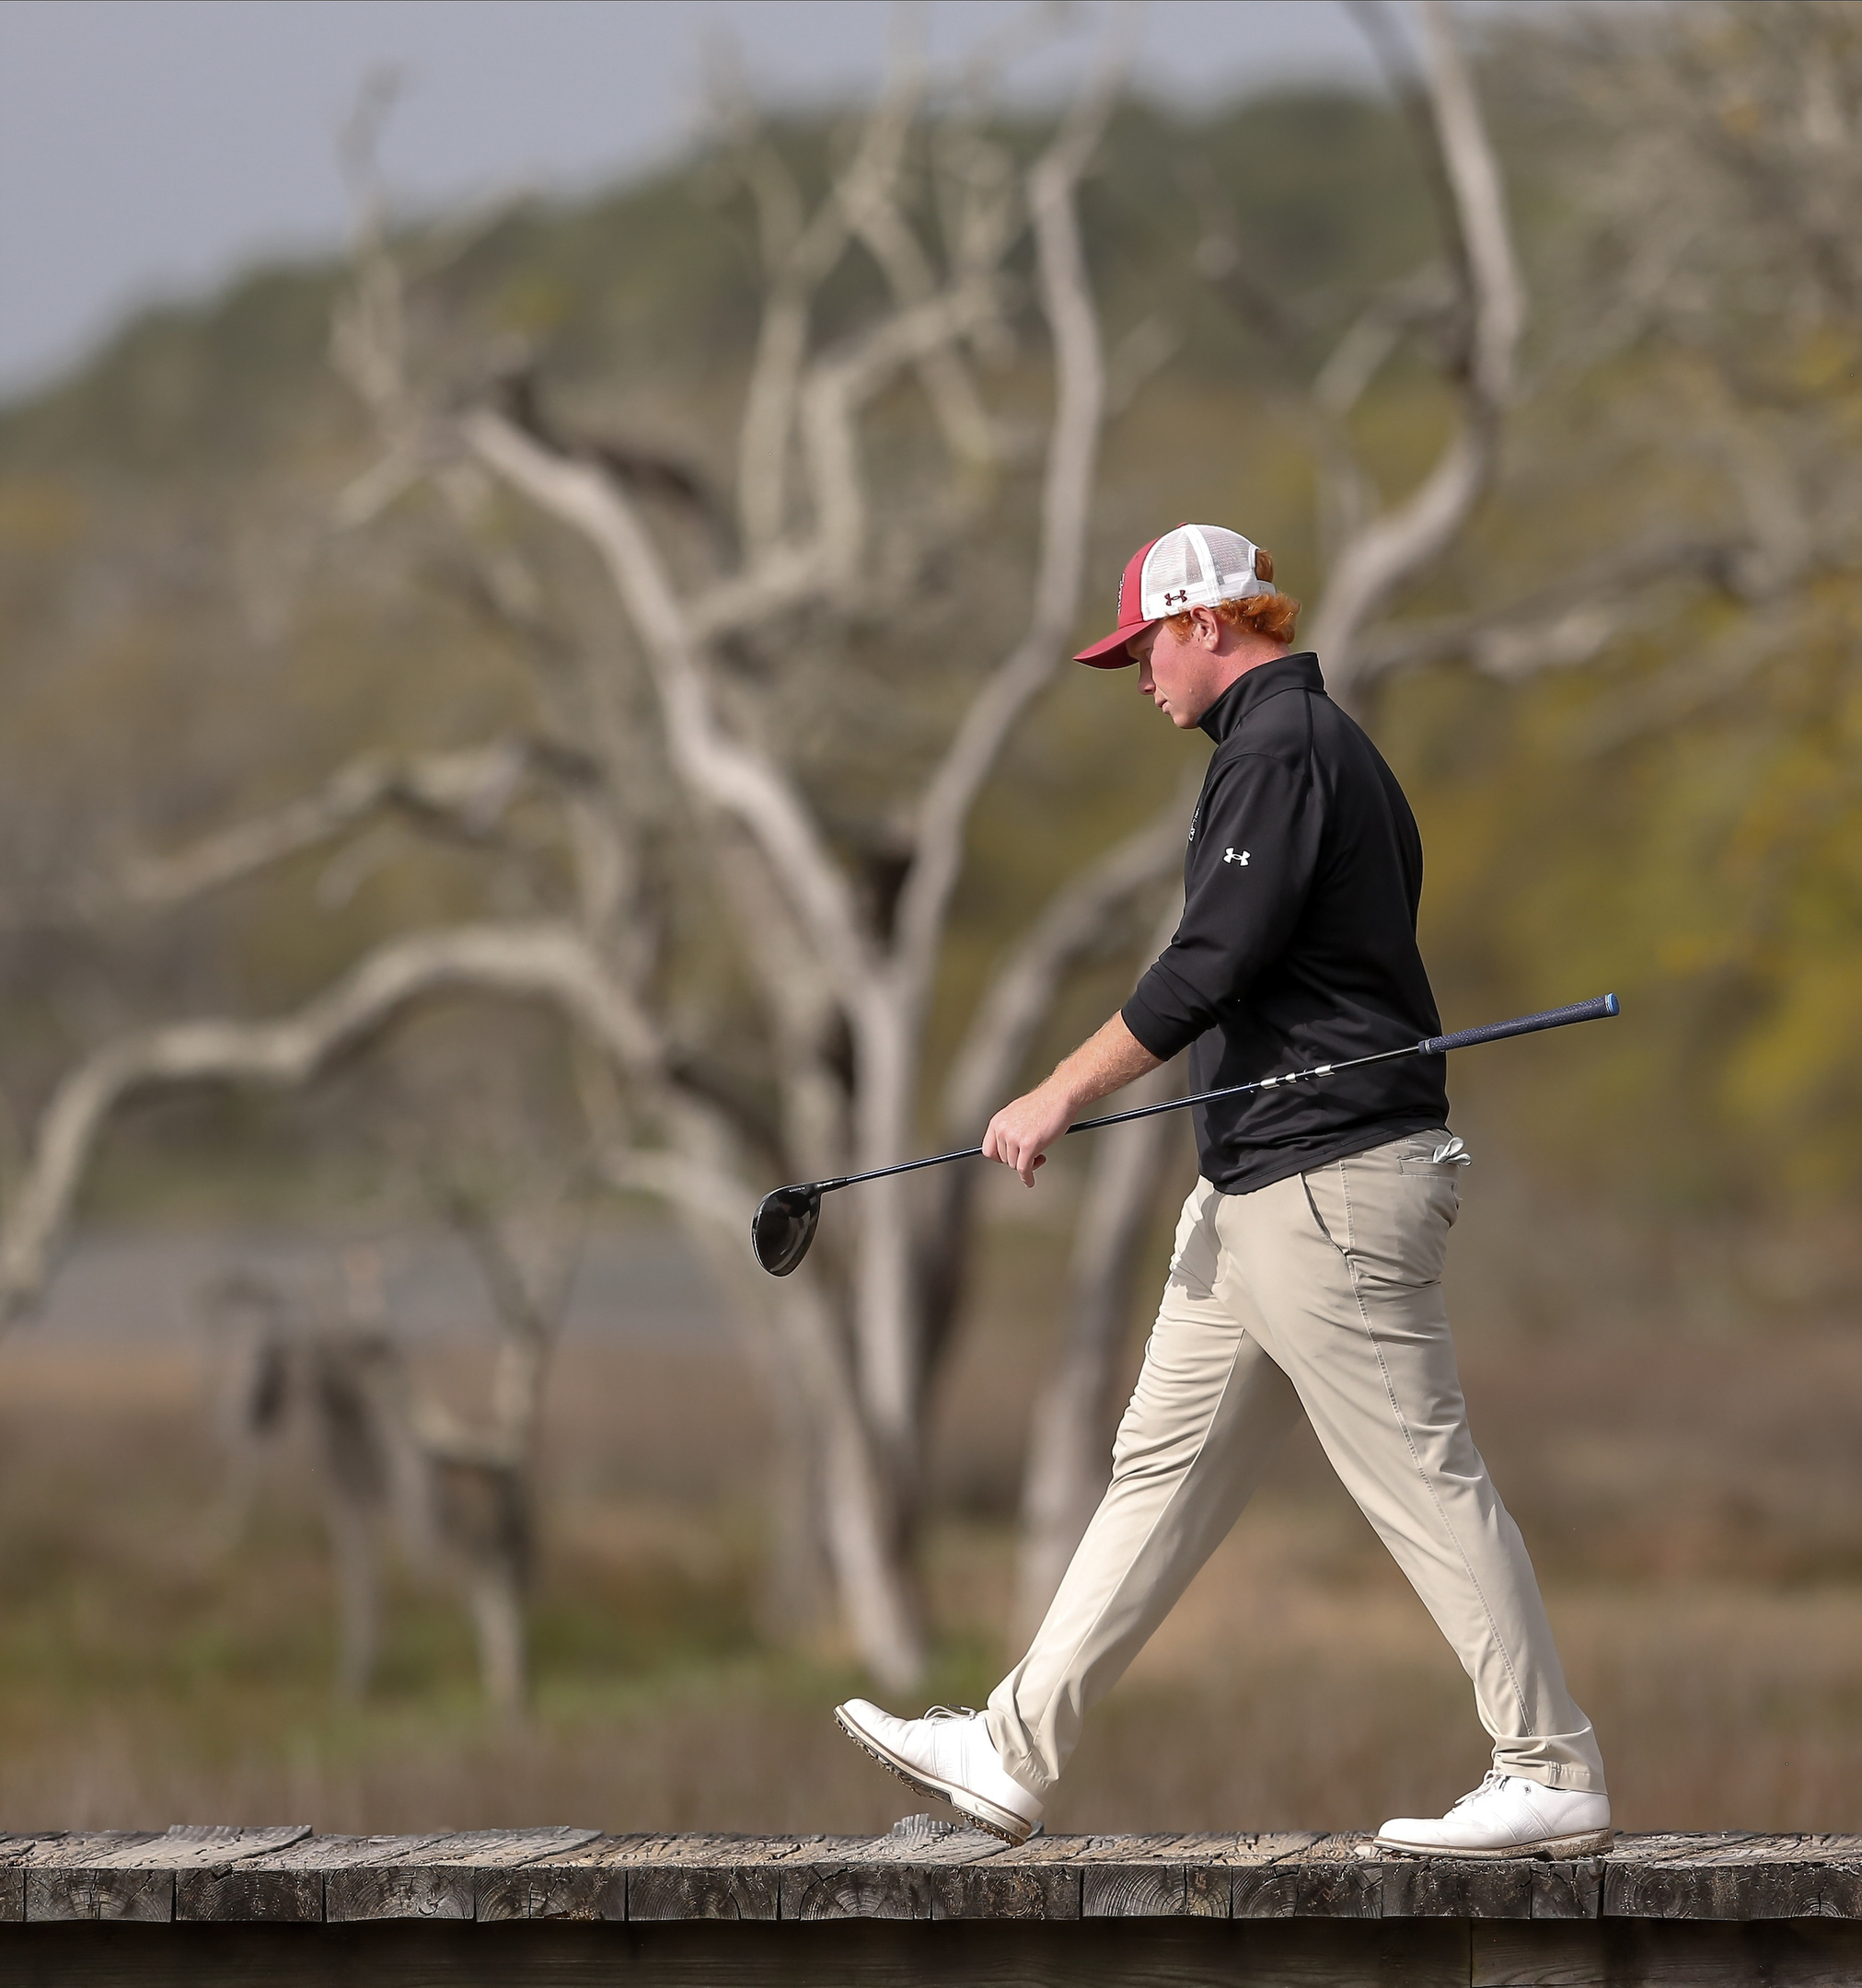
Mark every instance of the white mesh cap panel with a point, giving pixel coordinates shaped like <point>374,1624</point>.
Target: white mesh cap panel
<point>1195,566</point>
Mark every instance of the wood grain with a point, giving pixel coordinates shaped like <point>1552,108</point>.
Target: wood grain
<point>1445,1887</point>
<point>434,1877</point>
<point>890,1877</point>
<point>82,1876</point>
<point>13,1853</point>
<point>712,1877</point>
<point>1000,1889</point>
<point>929,1871</point>
<point>215,1881</point>
<point>1333,1878</point>
<point>1733,1876</point>
<point>587,1884</point>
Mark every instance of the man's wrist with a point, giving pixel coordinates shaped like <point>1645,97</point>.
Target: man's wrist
<point>1066,1091</point>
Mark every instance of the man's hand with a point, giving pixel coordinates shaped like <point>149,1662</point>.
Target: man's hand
<point>1021,1133</point>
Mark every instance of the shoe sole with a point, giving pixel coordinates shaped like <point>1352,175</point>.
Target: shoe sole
<point>1586,1843</point>
<point>1013,1830</point>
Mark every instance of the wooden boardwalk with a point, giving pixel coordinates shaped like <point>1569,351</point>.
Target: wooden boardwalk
<point>928,1903</point>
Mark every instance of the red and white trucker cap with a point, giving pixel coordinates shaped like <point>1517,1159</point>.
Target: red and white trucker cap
<point>1194,566</point>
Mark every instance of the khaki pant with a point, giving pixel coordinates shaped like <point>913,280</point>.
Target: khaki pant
<point>1321,1294</point>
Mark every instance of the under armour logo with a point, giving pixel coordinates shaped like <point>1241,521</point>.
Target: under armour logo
<point>1239,856</point>
<point>1178,595</point>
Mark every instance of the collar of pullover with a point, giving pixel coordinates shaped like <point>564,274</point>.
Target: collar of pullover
<point>1226,715</point>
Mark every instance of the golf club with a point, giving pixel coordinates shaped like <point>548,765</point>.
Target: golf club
<point>786,1218</point>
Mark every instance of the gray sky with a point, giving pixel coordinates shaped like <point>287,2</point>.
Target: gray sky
<point>148,147</point>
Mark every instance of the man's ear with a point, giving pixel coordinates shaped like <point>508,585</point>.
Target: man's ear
<point>1209,626</point>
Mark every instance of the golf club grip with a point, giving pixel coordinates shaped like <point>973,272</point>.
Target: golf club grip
<point>1590,1011</point>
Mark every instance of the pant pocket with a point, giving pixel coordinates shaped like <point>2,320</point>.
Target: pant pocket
<point>1399,1211</point>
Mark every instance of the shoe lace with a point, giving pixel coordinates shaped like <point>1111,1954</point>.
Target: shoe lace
<point>959,1712</point>
<point>1492,1782</point>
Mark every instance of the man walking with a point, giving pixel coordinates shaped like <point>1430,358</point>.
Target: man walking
<point>1306,1275</point>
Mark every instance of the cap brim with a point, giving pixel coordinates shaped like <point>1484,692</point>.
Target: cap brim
<point>1109,652</point>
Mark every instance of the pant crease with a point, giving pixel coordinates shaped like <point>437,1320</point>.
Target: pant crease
<point>1422,1474</point>
<point>1151,1534</point>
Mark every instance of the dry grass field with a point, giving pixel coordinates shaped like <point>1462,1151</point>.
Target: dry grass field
<point>1694,1498</point>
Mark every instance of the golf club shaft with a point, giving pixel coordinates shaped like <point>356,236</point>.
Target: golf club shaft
<point>1590,1011</point>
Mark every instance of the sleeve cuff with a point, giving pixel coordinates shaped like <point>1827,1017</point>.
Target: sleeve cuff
<point>1161,1038</point>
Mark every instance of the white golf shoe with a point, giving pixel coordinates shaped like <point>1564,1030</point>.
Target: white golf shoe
<point>1509,1816</point>
<point>947,1754</point>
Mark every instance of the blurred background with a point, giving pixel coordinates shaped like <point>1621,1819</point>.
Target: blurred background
<point>538,547</point>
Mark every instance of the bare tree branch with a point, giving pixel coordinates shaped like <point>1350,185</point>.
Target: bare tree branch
<point>716,1209</point>
<point>730,774</point>
<point>1021,995</point>
<point>1080,396</point>
<point>1086,915</point>
<point>1387,551</point>
<point>1562,625</point>
<point>524,962</point>
<point>469,793</point>
<point>1065,1472</point>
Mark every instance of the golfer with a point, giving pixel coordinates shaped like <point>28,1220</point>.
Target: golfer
<point>1307,1272</point>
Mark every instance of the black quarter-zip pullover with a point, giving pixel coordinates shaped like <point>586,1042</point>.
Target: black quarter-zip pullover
<point>1298,942</point>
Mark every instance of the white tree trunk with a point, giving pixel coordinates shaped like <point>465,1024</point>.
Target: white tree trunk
<point>1068,1464</point>
<point>497,1606</point>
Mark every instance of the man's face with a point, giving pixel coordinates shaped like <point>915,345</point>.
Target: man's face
<point>1180,673</point>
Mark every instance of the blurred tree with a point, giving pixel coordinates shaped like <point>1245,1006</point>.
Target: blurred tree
<point>1679,533</point>
<point>390,1457</point>
<point>723,890</point>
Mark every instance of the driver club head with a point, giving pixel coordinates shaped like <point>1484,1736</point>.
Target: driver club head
<point>784,1227</point>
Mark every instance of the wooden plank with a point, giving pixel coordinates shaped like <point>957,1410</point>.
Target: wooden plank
<point>1735,1875</point>
<point>81,1876</point>
<point>1329,1877</point>
<point>1690,1846</point>
<point>72,1849</point>
<point>1451,1888</point>
<point>890,1877</point>
<point>13,1853</point>
<point>1155,1877</point>
<point>130,1874</point>
<point>1758,1890</point>
<point>874,1877</point>
<point>587,1884</point>
<point>235,1894</point>
<point>398,1891</point>
<point>999,1890</point>
<point>932,1840</point>
<point>840,1877</point>
<point>1265,1884</point>
<point>1573,1891</point>
<point>188,1847</point>
<point>280,1885</point>
<point>146,1896</point>
<point>285,1885</point>
<point>925,1869</point>
<point>1039,1880</point>
<point>211,1882</point>
<point>709,1877</point>
<point>436,1879</point>
<point>342,1853</point>
<point>1131,1875</point>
